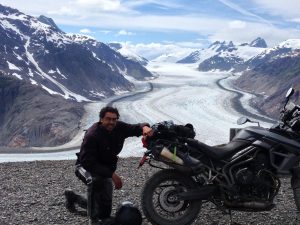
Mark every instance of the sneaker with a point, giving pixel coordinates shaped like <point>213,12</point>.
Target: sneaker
<point>70,201</point>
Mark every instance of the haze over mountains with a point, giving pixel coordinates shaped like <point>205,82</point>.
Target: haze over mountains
<point>46,75</point>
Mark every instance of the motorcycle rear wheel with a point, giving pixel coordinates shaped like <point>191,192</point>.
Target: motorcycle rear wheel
<point>159,202</point>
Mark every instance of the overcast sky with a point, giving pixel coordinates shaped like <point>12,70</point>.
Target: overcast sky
<point>192,23</point>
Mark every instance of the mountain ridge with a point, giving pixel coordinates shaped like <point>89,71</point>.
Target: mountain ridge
<point>225,56</point>
<point>46,76</point>
<point>39,44</point>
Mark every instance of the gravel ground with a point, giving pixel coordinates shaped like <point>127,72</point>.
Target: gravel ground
<point>32,193</point>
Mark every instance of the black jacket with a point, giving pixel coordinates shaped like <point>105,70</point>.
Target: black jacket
<point>99,149</point>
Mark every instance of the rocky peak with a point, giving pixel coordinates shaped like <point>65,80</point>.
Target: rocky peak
<point>259,43</point>
<point>5,10</point>
<point>115,46</point>
<point>48,21</point>
<point>215,43</point>
<point>230,44</point>
<point>222,46</point>
<point>191,58</point>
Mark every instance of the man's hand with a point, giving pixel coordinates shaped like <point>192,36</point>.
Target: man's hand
<point>117,181</point>
<point>147,131</point>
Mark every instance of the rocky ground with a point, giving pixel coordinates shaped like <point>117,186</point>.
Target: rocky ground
<point>32,193</point>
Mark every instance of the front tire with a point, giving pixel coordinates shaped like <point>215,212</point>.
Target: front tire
<point>159,202</point>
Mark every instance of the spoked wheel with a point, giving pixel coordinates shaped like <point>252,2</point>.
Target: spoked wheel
<point>160,203</point>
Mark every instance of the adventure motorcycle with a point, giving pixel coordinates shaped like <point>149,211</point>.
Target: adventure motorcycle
<point>240,175</point>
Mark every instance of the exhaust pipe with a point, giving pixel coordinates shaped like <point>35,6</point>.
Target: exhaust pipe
<point>253,205</point>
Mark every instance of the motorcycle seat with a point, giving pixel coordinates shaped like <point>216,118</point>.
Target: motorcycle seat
<point>220,151</point>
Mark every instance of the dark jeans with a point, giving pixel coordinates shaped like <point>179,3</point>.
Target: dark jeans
<point>99,198</point>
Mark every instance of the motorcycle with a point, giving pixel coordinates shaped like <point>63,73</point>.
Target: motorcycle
<point>242,175</point>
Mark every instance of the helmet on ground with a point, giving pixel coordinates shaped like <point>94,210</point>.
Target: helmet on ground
<point>128,214</point>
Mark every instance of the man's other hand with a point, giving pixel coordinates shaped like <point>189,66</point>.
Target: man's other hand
<point>147,131</point>
<point>117,181</point>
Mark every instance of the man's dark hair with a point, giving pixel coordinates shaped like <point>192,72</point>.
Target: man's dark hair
<point>106,109</point>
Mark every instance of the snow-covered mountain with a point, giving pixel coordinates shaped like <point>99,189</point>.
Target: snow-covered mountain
<point>46,73</point>
<point>259,43</point>
<point>288,49</point>
<point>127,52</point>
<point>225,55</point>
<point>73,66</point>
<point>272,73</point>
<point>173,55</point>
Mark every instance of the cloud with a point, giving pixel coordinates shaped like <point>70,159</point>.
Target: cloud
<point>172,16</point>
<point>63,11</point>
<point>188,44</point>
<point>105,31</point>
<point>288,9</point>
<point>103,5</point>
<point>89,8</point>
<point>243,11</point>
<point>297,20</point>
<point>237,24</point>
<point>163,4</point>
<point>124,32</point>
<point>153,50</point>
<point>148,22</point>
<point>213,27</point>
<point>271,34</point>
<point>86,31</point>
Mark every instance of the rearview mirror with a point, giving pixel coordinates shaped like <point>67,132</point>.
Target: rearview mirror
<point>289,93</point>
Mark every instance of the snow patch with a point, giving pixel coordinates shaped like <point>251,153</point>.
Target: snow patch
<point>21,17</point>
<point>17,76</point>
<point>67,93</point>
<point>58,71</point>
<point>291,43</point>
<point>18,56</point>
<point>30,73</point>
<point>119,91</point>
<point>51,71</point>
<point>10,26</point>
<point>12,66</point>
<point>95,56</point>
<point>33,81</point>
<point>50,91</point>
<point>98,94</point>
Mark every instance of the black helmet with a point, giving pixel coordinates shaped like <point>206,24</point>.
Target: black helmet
<point>128,214</point>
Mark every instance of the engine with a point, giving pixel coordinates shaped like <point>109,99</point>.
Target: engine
<point>255,182</point>
<point>259,185</point>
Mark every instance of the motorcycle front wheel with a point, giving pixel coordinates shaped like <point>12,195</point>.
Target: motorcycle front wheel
<point>160,203</point>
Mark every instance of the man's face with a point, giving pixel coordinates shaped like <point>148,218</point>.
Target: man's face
<point>109,121</point>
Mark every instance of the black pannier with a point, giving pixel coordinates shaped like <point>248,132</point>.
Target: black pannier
<point>169,131</point>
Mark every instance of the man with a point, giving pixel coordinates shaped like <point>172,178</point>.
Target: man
<point>102,143</point>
